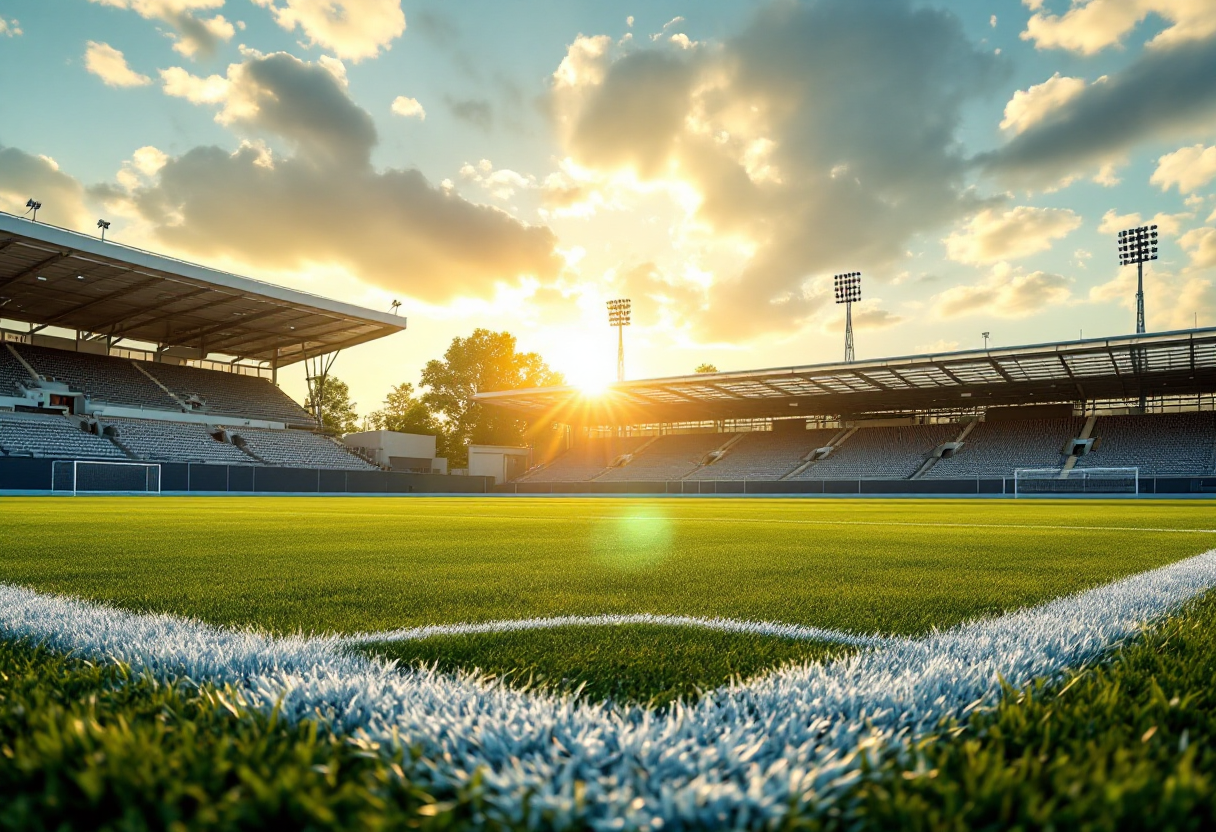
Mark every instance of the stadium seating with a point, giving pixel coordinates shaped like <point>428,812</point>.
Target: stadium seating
<point>11,373</point>
<point>175,442</point>
<point>893,453</point>
<point>1160,445</point>
<point>298,449</point>
<point>100,377</point>
<point>230,394</point>
<point>667,458</point>
<point>995,449</point>
<point>60,437</point>
<point>586,460</point>
<point>764,455</point>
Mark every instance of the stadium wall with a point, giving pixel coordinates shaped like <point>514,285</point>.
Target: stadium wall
<point>25,474</point>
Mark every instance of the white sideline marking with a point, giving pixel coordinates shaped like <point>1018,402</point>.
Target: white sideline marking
<point>745,755</point>
<point>796,632</point>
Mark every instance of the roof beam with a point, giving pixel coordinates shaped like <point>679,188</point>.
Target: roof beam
<point>307,332</point>
<point>143,284</point>
<point>201,333</point>
<point>37,267</point>
<point>155,319</point>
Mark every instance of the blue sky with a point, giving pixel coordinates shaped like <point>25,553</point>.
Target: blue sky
<point>715,162</point>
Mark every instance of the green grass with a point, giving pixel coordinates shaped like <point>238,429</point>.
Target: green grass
<point>369,564</point>
<point>605,662</point>
<point>1130,744</point>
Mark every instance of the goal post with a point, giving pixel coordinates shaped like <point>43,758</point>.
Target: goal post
<point>81,476</point>
<point>1076,481</point>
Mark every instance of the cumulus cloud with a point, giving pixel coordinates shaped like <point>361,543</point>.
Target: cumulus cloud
<point>1162,93</point>
<point>1190,168</point>
<point>322,203</point>
<point>1200,244</point>
<point>766,143</point>
<point>501,183</point>
<point>1169,225</point>
<point>1006,293</point>
<point>10,28</point>
<point>23,176</point>
<point>408,108</point>
<point>108,64</point>
<point>1090,26</point>
<point>1030,106</point>
<point>1173,300</point>
<point>193,34</point>
<point>992,235</point>
<point>351,29</point>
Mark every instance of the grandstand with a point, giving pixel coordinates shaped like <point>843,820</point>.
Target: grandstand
<point>127,356</point>
<point>959,422</point>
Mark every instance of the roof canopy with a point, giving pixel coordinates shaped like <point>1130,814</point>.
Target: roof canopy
<point>1162,364</point>
<point>53,277</point>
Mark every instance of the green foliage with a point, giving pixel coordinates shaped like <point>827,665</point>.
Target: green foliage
<point>368,564</point>
<point>705,368</point>
<point>1129,744</point>
<point>405,413</point>
<point>483,362</point>
<point>639,663</point>
<point>86,746</point>
<point>337,410</point>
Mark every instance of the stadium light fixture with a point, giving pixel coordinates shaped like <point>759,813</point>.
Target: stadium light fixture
<point>986,335</point>
<point>33,205</point>
<point>1138,246</point>
<point>394,306</point>
<point>848,290</point>
<point>103,225</point>
<point>619,312</point>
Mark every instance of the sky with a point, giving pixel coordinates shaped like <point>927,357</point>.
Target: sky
<point>515,165</point>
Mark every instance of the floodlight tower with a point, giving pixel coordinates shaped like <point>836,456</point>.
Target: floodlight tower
<point>1138,245</point>
<point>848,289</point>
<point>619,311</point>
<point>32,204</point>
<point>103,225</point>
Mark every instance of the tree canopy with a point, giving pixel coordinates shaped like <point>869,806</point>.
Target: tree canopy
<point>405,413</point>
<point>705,368</point>
<point>337,410</point>
<point>483,362</point>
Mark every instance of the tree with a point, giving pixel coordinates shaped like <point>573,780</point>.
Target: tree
<point>404,413</point>
<point>483,362</point>
<point>337,410</point>
<point>705,368</point>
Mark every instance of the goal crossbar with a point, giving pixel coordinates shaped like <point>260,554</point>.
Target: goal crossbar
<point>105,477</point>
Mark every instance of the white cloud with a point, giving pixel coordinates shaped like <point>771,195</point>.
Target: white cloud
<point>1190,168</point>
<point>193,34</point>
<point>179,83</point>
<point>108,64</point>
<point>992,21</point>
<point>352,29</point>
<point>10,28</point>
<point>408,108</point>
<point>1200,244</point>
<point>1030,106</point>
<point>143,165</point>
<point>991,235</point>
<point>1168,224</point>
<point>1173,300</point>
<point>501,183</point>
<point>1090,26</point>
<point>1005,293</point>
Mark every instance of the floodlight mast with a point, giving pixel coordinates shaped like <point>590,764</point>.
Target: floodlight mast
<point>848,289</point>
<point>619,312</point>
<point>1138,245</point>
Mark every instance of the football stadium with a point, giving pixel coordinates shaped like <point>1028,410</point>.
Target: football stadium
<point>931,587</point>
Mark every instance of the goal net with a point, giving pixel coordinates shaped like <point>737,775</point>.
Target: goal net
<point>1076,481</point>
<point>83,477</point>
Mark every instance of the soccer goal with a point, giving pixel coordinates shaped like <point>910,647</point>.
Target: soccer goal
<point>87,477</point>
<point>1076,481</point>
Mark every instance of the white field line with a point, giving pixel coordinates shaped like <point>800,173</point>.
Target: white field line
<point>796,632</point>
<point>745,755</point>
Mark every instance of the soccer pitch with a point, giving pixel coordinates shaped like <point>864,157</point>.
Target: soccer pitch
<point>794,632</point>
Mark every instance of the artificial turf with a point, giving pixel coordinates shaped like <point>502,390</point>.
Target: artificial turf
<point>370,564</point>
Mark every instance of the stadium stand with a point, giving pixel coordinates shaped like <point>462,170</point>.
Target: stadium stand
<point>764,455</point>
<point>667,458</point>
<point>101,378</point>
<point>38,435</point>
<point>298,449</point>
<point>230,394</point>
<point>11,373</point>
<point>586,460</point>
<point>149,439</point>
<point>995,449</point>
<point>894,452</point>
<point>1166,444</point>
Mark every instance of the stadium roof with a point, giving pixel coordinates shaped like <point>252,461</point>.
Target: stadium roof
<point>1158,364</point>
<point>50,276</point>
